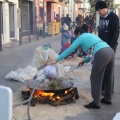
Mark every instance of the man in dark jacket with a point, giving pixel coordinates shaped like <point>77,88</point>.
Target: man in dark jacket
<point>108,29</point>
<point>67,20</point>
<point>78,19</point>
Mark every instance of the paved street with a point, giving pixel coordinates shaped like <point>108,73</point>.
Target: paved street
<point>14,56</point>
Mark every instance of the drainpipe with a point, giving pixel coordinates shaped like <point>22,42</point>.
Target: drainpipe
<point>74,11</point>
<point>43,18</point>
<point>0,35</point>
<point>63,8</point>
<point>97,22</point>
<point>29,23</point>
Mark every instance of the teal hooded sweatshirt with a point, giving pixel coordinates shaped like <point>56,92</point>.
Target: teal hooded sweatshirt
<point>85,41</point>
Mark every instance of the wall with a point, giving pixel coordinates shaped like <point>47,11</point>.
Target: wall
<point>55,8</point>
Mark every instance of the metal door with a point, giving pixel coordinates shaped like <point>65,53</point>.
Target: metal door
<point>25,18</point>
<point>31,16</point>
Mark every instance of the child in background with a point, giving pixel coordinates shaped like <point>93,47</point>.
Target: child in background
<point>65,37</point>
<point>69,40</point>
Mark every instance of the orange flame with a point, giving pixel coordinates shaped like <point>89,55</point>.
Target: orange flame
<point>40,93</point>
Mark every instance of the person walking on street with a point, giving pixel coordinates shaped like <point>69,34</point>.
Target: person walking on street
<point>67,20</point>
<point>102,63</point>
<point>86,20</point>
<point>62,20</point>
<point>78,20</point>
<point>57,18</point>
<point>108,29</point>
<point>91,22</point>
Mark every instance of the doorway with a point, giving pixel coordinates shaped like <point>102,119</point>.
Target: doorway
<point>11,20</point>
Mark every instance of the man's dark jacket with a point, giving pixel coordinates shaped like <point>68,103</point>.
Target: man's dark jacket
<point>109,29</point>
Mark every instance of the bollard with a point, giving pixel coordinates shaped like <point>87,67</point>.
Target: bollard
<point>37,33</point>
<point>5,103</point>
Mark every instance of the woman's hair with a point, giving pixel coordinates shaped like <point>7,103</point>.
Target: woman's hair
<point>81,29</point>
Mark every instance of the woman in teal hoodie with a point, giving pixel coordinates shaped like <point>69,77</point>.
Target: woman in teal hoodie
<point>102,63</point>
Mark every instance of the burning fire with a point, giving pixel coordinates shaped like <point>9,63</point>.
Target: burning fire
<point>40,93</point>
<point>53,98</point>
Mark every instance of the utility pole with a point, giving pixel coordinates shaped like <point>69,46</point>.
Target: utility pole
<point>20,29</point>
<point>97,22</point>
<point>74,11</point>
<point>43,18</point>
<point>29,24</point>
<point>0,33</point>
<point>63,8</point>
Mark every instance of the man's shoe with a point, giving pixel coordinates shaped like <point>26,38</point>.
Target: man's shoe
<point>92,106</point>
<point>105,102</point>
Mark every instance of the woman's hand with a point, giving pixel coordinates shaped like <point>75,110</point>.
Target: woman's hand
<point>53,62</point>
<point>81,63</point>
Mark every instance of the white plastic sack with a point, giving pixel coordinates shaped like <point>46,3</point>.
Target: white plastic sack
<point>50,71</point>
<point>52,55</point>
<point>40,74</point>
<point>60,70</point>
<point>40,58</point>
<point>117,116</point>
<point>22,74</point>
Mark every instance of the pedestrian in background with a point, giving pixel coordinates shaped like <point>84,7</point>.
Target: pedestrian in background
<point>102,62</point>
<point>62,19</point>
<point>91,22</point>
<point>65,37</point>
<point>86,20</point>
<point>108,29</point>
<point>57,18</point>
<point>78,20</point>
<point>67,20</point>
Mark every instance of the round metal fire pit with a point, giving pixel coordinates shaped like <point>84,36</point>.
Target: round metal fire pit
<point>64,82</point>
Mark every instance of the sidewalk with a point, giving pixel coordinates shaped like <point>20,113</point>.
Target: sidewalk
<point>15,56</point>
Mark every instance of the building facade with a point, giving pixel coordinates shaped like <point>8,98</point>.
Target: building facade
<point>8,13</point>
<point>15,14</point>
<point>27,16</point>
